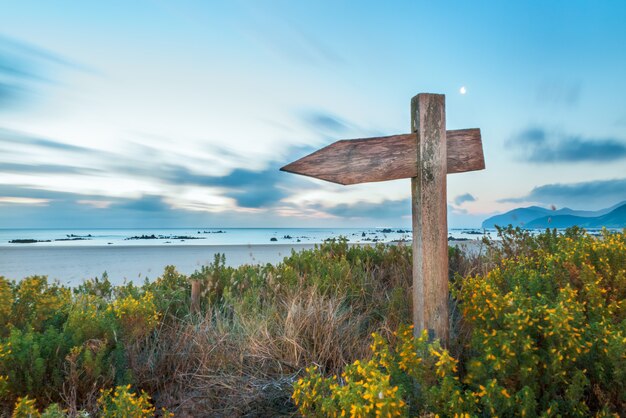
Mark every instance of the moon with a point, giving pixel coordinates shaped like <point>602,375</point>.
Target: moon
<point>462,90</point>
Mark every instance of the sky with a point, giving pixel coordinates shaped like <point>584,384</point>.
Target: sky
<point>179,114</point>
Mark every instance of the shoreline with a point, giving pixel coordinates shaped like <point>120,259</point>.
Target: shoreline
<point>161,246</point>
<point>201,237</point>
<point>197,243</point>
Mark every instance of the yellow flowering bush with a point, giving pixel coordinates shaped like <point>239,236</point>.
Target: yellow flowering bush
<point>362,390</point>
<point>25,408</point>
<point>87,319</point>
<point>37,303</point>
<point>122,403</point>
<point>4,386</point>
<point>6,302</point>
<point>137,316</point>
<point>54,337</point>
<point>548,325</point>
<point>543,333</point>
<point>400,379</point>
<point>5,349</point>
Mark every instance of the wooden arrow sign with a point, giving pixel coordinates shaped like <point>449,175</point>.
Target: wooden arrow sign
<point>394,157</point>
<point>425,156</point>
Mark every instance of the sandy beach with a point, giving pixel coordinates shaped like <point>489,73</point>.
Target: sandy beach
<point>72,264</point>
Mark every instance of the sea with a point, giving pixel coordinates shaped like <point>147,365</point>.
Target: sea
<point>73,255</point>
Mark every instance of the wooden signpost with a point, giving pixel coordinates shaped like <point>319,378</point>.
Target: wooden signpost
<point>425,156</point>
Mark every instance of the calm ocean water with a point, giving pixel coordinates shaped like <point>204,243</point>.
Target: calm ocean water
<point>72,255</point>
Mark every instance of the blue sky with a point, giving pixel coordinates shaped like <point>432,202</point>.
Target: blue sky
<point>156,113</point>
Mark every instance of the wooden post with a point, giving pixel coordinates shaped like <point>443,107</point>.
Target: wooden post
<point>425,155</point>
<point>196,292</point>
<point>430,225</point>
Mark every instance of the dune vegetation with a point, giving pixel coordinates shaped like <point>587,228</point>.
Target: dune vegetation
<point>538,329</point>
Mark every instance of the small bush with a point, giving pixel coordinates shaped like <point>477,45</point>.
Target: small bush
<point>171,294</point>
<point>25,408</point>
<point>38,304</point>
<point>5,349</point>
<point>6,304</point>
<point>136,316</point>
<point>122,403</point>
<point>54,411</point>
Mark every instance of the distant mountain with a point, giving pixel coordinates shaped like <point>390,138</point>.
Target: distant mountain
<point>537,217</point>
<point>614,219</point>
<point>516,217</point>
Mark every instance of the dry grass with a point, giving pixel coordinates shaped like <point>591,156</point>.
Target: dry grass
<point>223,365</point>
<point>236,361</point>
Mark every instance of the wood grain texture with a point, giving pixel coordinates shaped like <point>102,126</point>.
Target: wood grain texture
<point>430,226</point>
<point>464,149</point>
<point>386,158</point>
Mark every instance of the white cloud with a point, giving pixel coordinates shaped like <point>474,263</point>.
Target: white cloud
<point>329,195</point>
<point>99,204</point>
<point>11,200</point>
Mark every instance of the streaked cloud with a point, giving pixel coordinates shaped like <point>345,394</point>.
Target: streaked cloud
<point>558,92</point>
<point>286,38</point>
<point>460,199</point>
<point>26,49</point>
<point>325,122</point>
<point>387,209</point>
<point>99,204</point>
<point>12,200</point>
<point>39,168</point>
<point>155,179</point>
<point>145,204</point>
<point>24,68</point>
<point>539,146</point>
<point>599,193</point>
<point>249,188</point>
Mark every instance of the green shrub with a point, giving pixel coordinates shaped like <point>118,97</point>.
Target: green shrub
<point>171,293</point>
<point>6,304</point>
<point>88,319</point>
<point>100,287</point>
<point>38,304</point>
<point>33,364</point>
<point>62,346</point>
<point>54,411</point>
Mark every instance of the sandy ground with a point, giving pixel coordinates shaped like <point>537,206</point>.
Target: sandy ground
<point>70,265</point>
